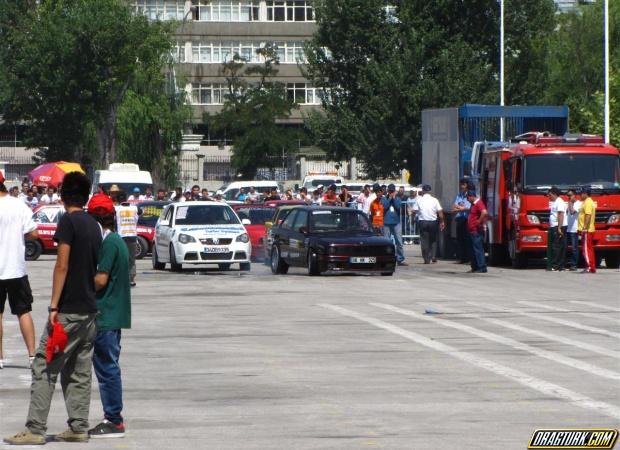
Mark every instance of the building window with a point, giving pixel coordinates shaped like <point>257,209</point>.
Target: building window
<point>228,10</point>
<point>221,52</point>
<point>178,53</point>
<point>209,94</point>
<point>291,52</point>
<point>290,11</point>
<point>161,9</point>
<point>302,94</point>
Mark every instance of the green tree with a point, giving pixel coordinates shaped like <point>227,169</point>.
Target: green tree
<point>576,64</point>
<point>382,70</point>
<point>150,124</point>
<point>69,67</point>
<point>250,114</point>
<point>591,114</point>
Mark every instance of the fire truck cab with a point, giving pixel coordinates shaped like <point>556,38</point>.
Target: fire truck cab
<point>514,179</point>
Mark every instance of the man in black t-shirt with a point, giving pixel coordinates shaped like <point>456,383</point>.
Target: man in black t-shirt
<point>73,304</point>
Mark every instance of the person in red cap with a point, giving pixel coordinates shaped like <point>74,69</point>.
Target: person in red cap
<point>73,305</point>
<point>15,224</point>
<point>114,304</point>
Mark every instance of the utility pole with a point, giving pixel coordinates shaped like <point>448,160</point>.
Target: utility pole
<point>606,65</point>
<point>502,124</point>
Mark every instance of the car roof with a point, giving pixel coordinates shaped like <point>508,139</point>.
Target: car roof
<point>251,205</point>
<point>201,203</point>
<point>329,208</point>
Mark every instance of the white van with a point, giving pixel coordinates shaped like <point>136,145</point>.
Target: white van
<point>311,182</point>
<point>126,176</point>
<point>229,193</point>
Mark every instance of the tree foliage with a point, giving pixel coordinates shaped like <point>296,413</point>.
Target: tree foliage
<point>576,67</point>
<point>68,67</point>
<point>252,107</point>
<point>382,70</point>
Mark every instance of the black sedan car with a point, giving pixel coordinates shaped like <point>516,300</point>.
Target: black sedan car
<point>328,239</point>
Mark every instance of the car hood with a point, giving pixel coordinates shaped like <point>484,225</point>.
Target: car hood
<point>212,230</point>
<point>351,239</point>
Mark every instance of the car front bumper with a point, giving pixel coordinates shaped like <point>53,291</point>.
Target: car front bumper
<point>195,253</point>
<point>333,263</point>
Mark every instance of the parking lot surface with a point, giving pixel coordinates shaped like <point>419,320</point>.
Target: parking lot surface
<point>431,358</point>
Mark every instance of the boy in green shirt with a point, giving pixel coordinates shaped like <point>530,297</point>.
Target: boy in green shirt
<point>114,305</point>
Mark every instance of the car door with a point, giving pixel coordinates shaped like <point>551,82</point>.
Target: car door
<point>282,236</point>
<point>163,231</point>
<point>297,238</point>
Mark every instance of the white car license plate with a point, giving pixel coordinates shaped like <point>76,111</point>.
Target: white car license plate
<point>368,260</point>
<point>216,249</point>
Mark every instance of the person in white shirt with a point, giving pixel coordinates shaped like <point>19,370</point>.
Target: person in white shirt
<point>556,234</point>
<point>364,199</point>
<point>31,200</point>
<point>127,228</point>
<point>573,207</point>
<point>15,224</point>
<point>50,197</point>
<point>429,212</point>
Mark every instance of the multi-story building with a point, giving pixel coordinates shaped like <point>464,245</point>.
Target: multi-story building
<point>210,33</point>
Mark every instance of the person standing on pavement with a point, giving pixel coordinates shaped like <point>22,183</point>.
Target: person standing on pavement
<point>476,221</point>
<point>429,212</point>
<point>127,228</point>
<point>73,305</point>
<point>15,224</point>
<point>376,210</point>
<point>114,305</point>
<point>364,199</point>
<point>585,226</point>
<point>461,210</point>
<point>572,218</point>
<point>556,233</point>
<point>391,222</point>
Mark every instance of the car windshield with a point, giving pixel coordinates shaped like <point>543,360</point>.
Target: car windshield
<point>258,216</point>
<point>331,221</point>
<point>205,215</point>
<point>599,172</point>
<point>150,214</point>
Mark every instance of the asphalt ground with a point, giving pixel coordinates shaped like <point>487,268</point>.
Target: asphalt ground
<point>432,358</point>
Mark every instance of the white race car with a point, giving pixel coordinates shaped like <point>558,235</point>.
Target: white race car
<point>199,233</point>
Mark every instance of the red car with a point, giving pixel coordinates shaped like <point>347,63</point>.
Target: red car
<point>258,214</point>
<point>149,213</point>
<point>46,217</point>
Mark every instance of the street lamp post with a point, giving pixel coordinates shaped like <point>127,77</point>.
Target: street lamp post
<point>606,113</point>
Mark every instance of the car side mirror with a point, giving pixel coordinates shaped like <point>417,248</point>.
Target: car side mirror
<point>268,224</point>
<point>303,230</point>
<point>246,221</point>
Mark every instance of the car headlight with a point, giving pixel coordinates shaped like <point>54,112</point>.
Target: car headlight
<point>243,238</point>
<point>614,218</point>
<point>532,218</point>
<point>186,238</point>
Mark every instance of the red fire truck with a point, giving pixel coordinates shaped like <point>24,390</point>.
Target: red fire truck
<point>514,180</point>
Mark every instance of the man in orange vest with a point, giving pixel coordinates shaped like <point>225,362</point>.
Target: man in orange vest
<point>376,208</point>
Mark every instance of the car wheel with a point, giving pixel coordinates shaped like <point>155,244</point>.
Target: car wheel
<point>156,264</point>
<point>224,267</point>
<point>33,250</point>
<point>387,274</point>
<point>245,267</point>
<point>278,266</point>
<point>612,260</point>
<point>174,266</point>
<point>313,266</point>
<point>142,247</point>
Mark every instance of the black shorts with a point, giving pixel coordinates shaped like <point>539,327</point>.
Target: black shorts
<point>19,293</point>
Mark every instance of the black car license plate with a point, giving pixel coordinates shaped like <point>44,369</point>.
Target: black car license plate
<point>362,260</point>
